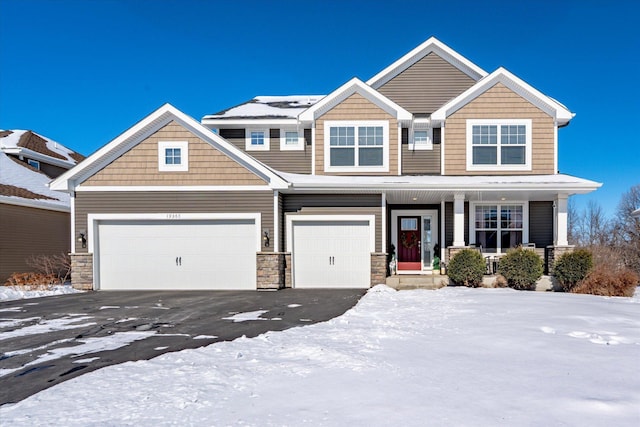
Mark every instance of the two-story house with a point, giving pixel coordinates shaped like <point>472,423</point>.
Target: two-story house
<point>430,155</point>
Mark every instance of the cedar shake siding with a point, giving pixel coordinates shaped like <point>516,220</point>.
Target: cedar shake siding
<point>499,102</point>
<point>336,204</point>
<point>30,232</point>
<point>139,166</point>
<point>356,107</point>
<point>426,85</point>
<point>420,162</point>
<point>174,202</point>
<point>541,223</point>
<point>292,161</point>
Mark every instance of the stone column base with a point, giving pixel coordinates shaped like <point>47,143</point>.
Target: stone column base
<point>82,271</point>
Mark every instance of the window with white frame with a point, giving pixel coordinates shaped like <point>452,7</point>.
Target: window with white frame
<point>422,140</point>
<point>356,146</point>
<point>290,139</point>
<point>499,144</point>
<point>173,156</point>
<point>257,139</point>
<point>499,227</point>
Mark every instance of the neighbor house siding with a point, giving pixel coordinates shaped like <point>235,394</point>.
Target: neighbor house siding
<point>499,102</point>
<point>174,202</point>
<point>292,161</point>
<point>354,108</point>
<point>337,204</point>
<point>420,162</point>
<point>30,232</point>
<point>207,166</point>
<point>541,223</point>
<point>426,85</point>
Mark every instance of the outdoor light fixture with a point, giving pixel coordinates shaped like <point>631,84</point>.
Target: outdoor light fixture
<point>266,238</point>
<point>82,238</point>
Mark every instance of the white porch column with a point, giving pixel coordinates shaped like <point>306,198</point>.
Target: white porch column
<point>458,219</point>
<point>561,221</point>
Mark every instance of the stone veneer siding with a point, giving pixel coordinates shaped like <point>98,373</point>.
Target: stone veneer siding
<point>553,253</point>
<point>378,268</point>
<point>82,271</point>
<point>270,270</point>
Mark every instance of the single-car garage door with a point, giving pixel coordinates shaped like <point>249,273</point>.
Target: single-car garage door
<point>331,254</point>
<point>177,255</point>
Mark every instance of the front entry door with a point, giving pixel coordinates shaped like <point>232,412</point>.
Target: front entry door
<point>409,243</point>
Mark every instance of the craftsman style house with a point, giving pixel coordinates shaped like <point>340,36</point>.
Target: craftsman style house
<point>430,155</point>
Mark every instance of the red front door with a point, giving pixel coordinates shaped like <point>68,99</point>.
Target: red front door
<point>409,243</point>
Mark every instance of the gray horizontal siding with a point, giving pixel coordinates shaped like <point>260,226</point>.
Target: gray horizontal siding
<point>174,202</point>
<point>286,161</point>
<point>336,204</point>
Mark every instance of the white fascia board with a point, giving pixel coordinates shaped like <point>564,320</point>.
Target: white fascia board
<point>241,123</point>
<point>35,203</point>
<point>43,158</point>
<point>354,85</point>
<point>145,127</point>
<point>430,45</point>
<point>519,86</point>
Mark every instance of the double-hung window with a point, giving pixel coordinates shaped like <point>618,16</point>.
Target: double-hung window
<point>499,144</point>
<point>173,156</point>
<point>356,146</point>
<point>257,139</point>
<point>499,227</point>
<point>290,140</point>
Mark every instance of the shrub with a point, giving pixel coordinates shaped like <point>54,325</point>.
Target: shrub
<point>467,268</point>
<point>572,267</point>
<point>604,281</point>
<point>521,268</point>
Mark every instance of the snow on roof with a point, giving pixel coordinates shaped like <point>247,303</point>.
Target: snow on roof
<point>13,174</point>
<point>24,140</point>
<point>269,107</point>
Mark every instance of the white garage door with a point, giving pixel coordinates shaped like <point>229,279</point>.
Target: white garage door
<point>331,254</point>
<point>176,255</point>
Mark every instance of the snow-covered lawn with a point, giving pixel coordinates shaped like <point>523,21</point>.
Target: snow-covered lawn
<point>451,357</point>
<point>8,293</point>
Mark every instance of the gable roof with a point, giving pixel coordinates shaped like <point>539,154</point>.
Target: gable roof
<point>37,147</point>
<point>519,86</point>
<point>354,85</point>
<point>431,45</point>
<point>144,129</point>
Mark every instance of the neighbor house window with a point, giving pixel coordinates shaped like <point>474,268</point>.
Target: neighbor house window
<point>33,163</point>
<point>173,156</point>
<point>421,140</point>
<point>499,144</point>
<point>257,139</point>
<point>499,227</point>
<point>290,140</point>
<point>361,146</point>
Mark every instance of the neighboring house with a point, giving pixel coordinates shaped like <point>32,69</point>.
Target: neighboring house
<point>34,220</point>
<point>430,155</point>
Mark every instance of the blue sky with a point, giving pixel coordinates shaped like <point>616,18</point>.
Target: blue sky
<point>82,72</point>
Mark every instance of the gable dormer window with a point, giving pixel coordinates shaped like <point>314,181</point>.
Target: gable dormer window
<point>173,156</point>
<point>257,140</point>
<point>358,146</point>
<point>499,144</point>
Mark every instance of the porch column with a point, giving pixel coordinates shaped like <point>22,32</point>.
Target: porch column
<point>561,220</point>
<point>458,219</point>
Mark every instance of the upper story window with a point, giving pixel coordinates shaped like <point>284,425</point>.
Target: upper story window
<point>290,139</point>
<point>422,140</point>
<point>33,163</point>
<point>499,144</point>
<point>173,156</point>
<point>360,146</point>
<point>499,227</point>
<point>257,139</point>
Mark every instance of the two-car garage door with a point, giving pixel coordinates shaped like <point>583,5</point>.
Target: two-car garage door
<point>177,255</point>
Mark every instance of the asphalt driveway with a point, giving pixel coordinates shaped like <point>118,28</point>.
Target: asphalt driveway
<point>46,341</point>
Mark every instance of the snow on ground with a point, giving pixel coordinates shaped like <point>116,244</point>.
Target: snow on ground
<point>455,356</point>
<point>8,293</point>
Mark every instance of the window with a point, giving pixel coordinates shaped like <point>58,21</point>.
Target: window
<point>290,140</point>
<point>361,146</point>
<point>257,139</point>
<point>499,145</point>
<point>33,163</point>
<point>421,140</point>
<point>173,156</point>
<point>499,227</point>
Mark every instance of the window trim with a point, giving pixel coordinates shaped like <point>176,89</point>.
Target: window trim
<point>328,124</point>
<point>413,146</point>
<point>291,147</point>
<point>263,147</point>
<point>499,204</point>
<point>499,122</point>
<point>184,156</point>
<point>33,163</point>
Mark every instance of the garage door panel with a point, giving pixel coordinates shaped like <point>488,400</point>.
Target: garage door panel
<point>177,255</point>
